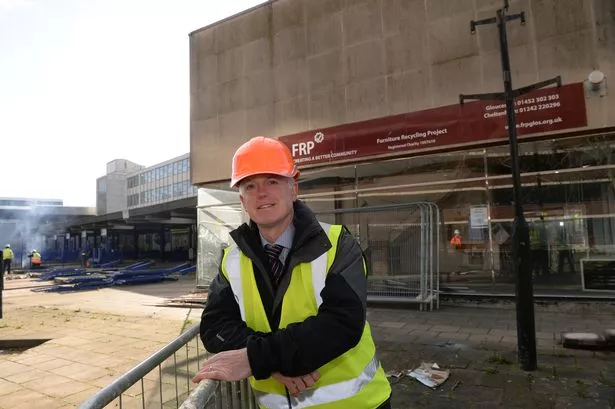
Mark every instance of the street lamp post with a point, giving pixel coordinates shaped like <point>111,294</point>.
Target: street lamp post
<point>526,331</point>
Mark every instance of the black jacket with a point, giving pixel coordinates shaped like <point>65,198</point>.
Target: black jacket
<point>300,348</point>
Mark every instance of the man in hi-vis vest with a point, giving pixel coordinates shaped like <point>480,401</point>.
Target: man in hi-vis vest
<point>288,307</point>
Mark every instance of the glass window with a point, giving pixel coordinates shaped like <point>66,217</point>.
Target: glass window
<point>568,191</point>
<point>131,182</point>
<point>133,200</point>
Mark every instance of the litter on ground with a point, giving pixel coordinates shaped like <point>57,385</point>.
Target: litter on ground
<point>429,374</point>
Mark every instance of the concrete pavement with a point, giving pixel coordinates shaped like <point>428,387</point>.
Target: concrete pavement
<point>95,336</point>
<point>478,346</point>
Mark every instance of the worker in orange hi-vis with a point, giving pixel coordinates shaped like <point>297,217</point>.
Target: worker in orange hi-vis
<point>35,259</point>
<point>456,250</point>
<point>456,241</point>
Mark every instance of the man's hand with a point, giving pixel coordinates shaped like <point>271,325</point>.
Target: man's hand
<point>297,384</point>
<point>226,366</point>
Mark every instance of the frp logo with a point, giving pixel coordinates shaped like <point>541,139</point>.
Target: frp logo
<point>304,148</point>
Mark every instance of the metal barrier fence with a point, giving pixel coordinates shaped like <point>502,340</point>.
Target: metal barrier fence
<point>221,395</point>
<point>164,381</point>
<point>402,246</point>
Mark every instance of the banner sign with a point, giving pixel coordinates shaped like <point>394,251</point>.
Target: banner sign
<point>544,110</point>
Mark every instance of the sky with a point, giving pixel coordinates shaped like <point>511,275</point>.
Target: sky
<point>84,82</point>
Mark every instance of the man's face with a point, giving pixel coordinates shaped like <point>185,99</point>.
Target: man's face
<point>268,199</point>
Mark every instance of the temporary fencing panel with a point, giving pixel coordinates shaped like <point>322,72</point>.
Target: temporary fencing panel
<point>401,244</point>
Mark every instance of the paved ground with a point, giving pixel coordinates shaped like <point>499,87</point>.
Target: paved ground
<point>97,335</point>
<point>478,346</point>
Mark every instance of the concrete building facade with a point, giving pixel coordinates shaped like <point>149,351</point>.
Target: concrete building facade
<point>111,189</point>
<point>366,94</point>
<point>163,182</point>
<point>141,212</point>
<point>128,185</point>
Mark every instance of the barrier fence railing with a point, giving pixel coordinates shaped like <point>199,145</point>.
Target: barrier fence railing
<point>221,395</point>
<point>164,381</point>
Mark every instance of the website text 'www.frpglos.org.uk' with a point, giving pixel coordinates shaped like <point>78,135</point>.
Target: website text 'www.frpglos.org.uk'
<point>542,122</point>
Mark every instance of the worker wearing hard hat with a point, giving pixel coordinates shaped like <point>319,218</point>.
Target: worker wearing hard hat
<point>288,305</point>
<point>7,259</point>
<point>456,251</point>
<point>35,259</point>
<point>456,241</point>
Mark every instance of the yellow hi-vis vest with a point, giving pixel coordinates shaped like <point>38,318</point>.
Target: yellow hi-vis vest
<point>7,254</point>
<point>36,258</point>
<point>353,380</point>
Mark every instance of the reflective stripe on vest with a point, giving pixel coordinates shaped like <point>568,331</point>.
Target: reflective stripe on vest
<point>356,374</point>
<point>324,394</point>
<point>231,262</point>
<point>319,274</point>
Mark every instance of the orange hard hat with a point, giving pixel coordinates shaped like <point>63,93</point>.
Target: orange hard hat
<point>261,155</point>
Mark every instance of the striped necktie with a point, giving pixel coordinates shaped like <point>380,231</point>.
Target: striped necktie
<point>273,254</point>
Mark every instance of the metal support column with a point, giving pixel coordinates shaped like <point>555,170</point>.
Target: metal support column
<point>163,242</point>
<point>526,331</point>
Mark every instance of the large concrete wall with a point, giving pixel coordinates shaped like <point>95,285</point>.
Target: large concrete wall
<point>110,193</point>
<point>293,65</point>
